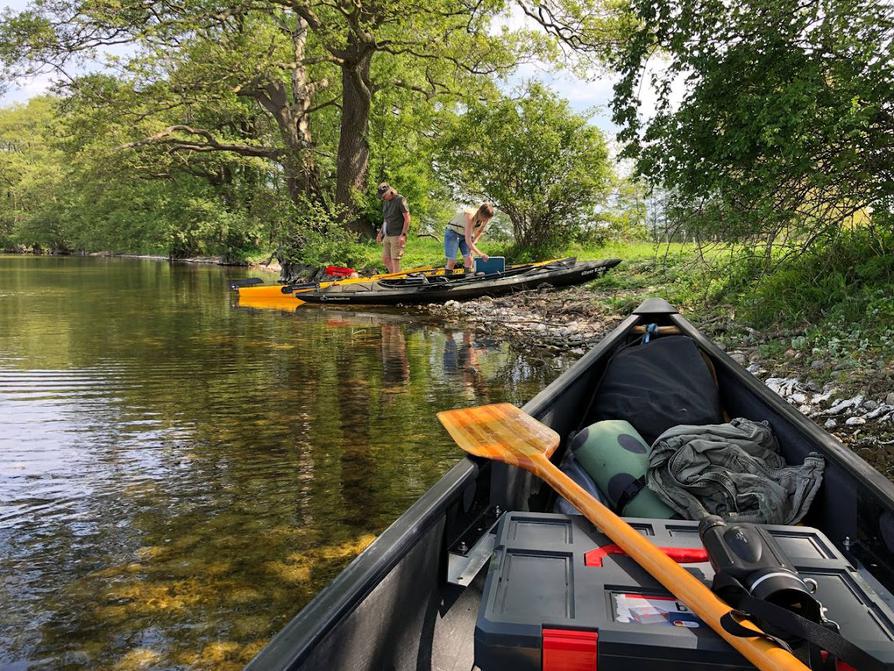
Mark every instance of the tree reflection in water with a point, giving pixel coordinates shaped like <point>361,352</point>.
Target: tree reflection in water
<point>179,476</point>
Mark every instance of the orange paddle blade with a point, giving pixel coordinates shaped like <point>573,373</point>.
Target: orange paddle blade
<point>500,431</point>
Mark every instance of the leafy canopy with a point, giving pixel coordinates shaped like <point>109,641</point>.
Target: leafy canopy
<point>785,130</point>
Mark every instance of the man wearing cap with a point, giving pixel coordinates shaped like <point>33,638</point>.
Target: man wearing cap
<point>395,224</point>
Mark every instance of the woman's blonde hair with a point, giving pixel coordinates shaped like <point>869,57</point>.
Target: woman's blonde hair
<point>486,210</point>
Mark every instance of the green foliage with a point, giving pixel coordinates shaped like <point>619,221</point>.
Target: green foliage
<point>66,190</point>
<point>318,101</point>
<point>313,234</point>
<point>31,174</point>
<point>622,218</point>
<point>536,160</point>
<point>295,86</point>
<point>841,278</point>
<point>784,133</point>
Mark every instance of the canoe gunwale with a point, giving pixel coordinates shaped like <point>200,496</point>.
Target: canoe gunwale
<point>294,642</point>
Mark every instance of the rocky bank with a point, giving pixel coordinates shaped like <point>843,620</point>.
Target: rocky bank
<point>858,408</point>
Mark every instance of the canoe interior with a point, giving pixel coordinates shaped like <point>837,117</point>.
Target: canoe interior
<point>393,608</point>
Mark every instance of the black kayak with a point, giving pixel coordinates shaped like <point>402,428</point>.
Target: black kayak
<point>439,289</point>
<point>411,600</point>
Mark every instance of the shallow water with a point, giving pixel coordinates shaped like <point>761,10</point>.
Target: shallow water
<point>180,475</point>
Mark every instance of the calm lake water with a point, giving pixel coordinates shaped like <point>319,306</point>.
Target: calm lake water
<point>180,475</point>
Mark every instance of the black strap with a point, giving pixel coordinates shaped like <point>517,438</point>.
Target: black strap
<point>629,493</point>
<point>817,636</point>
<point>731,624</point>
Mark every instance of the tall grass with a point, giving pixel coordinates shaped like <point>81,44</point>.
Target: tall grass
<point>845,279</point>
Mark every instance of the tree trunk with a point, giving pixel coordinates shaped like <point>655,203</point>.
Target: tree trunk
<point>353,144</point>
<point>291,112</point>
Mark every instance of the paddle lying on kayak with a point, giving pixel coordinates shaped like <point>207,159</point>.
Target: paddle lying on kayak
<point>505,433</point>
<point>425,274</point>
<point>355,280</point>
<point>255,289</point>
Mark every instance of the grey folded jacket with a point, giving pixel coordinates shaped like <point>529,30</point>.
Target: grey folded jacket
<point>733,470</point>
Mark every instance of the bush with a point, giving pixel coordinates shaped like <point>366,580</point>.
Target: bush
<point>312,233</point>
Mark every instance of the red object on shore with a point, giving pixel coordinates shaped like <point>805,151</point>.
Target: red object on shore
<point>339,271</point>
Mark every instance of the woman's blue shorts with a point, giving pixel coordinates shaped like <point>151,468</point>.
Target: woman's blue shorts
<point>454,241</point>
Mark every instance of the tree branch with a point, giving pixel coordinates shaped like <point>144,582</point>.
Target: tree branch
<point>166,136</point>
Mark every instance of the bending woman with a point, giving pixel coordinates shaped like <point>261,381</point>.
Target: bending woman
<point>463,232</point>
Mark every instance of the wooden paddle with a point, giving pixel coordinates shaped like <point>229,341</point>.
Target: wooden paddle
<point>504,433</point>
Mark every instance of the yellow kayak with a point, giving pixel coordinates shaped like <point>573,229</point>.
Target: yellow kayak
<point>272,297</point>
<point>271,292</point>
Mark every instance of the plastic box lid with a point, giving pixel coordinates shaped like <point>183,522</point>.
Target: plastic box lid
<point>494,264</point>
<point>539,583</point>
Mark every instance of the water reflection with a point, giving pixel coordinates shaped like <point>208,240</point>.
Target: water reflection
<point>461,354</point>
<point>395,365</point>
<point>178,476</point>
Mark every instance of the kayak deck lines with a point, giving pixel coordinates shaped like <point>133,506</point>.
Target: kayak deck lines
<point>434,289</point>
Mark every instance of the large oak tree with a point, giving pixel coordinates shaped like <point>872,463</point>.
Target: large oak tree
<point>203,77</point>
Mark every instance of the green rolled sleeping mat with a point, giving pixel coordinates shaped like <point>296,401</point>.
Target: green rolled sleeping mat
<point>617,458</point>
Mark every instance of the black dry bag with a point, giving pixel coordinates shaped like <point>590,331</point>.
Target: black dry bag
<point>658,385</point>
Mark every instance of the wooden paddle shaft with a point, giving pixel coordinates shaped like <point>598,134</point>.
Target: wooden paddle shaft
<point>687,588</point>
<point>373,278</point>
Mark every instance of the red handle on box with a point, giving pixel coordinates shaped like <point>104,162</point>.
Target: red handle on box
<point>679,555</point>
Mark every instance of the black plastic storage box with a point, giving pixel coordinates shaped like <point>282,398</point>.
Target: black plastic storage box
<point>560,595</point>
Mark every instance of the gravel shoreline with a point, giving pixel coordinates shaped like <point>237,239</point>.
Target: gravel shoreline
<point>571,321</point>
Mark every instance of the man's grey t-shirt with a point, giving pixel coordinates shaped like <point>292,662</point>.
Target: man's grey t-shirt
<point>393,214</point>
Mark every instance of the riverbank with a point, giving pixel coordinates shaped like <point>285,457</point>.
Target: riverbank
<point>850,398</point>
<point>270,266</point>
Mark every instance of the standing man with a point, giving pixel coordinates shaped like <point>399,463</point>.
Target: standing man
<point>395,224</point>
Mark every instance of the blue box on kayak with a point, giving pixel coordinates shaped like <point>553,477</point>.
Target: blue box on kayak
<point>494,264</point>
<point>560,595</point>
